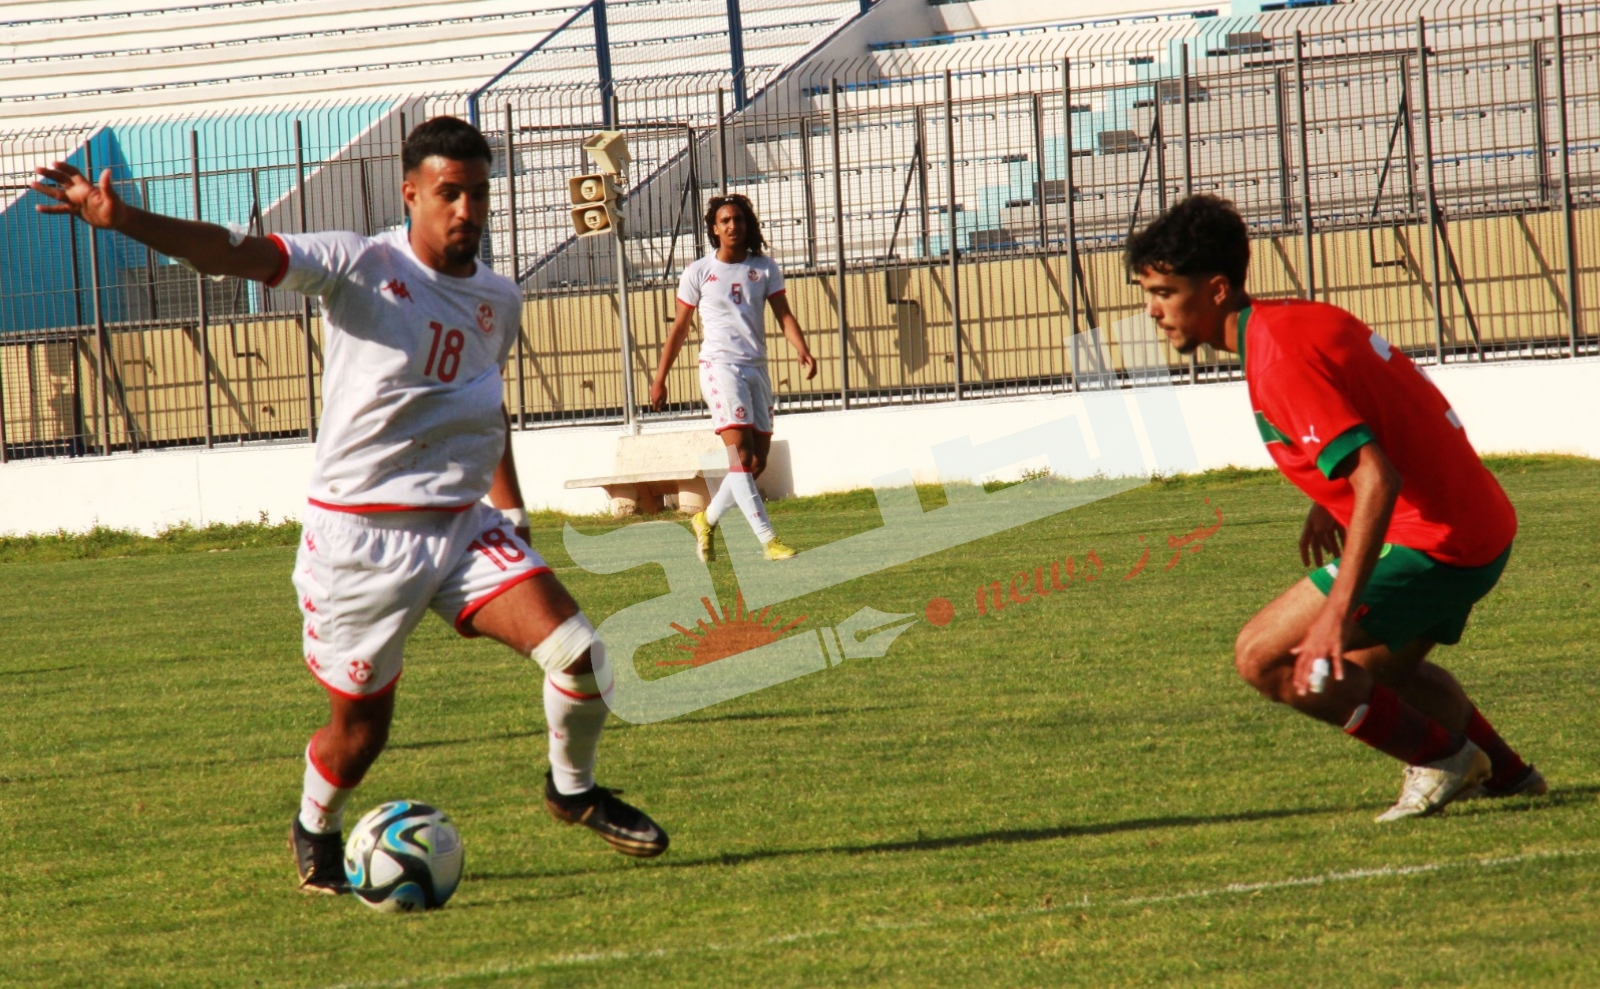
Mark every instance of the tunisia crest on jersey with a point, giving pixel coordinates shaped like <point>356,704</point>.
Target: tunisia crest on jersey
<point>485,317</point>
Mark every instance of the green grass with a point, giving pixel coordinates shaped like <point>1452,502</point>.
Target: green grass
<point>1074,791</point>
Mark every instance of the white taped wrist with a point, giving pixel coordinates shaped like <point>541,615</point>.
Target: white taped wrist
<point>566,645</point>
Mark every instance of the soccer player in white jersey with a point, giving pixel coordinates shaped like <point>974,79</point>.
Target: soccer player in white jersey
<point>731,289</point>
<point>414,436</point>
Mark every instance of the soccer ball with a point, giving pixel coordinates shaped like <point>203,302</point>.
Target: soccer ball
<point>403,856</point>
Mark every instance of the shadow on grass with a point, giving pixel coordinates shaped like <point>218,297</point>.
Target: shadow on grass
<point>1562,797</point>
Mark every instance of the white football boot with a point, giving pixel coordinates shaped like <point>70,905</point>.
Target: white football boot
<point>1428,788</point>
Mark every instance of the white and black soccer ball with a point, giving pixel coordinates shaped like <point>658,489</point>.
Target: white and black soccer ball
<point>403,856</point>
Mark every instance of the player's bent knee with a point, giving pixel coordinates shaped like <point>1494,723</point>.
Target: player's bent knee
<point>567,646</point>
<point>1258,664</point>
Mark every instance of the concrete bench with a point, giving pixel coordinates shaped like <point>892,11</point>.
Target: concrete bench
<point>652,466</point>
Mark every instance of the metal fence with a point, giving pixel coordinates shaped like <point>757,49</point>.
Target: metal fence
<point>949,213</point>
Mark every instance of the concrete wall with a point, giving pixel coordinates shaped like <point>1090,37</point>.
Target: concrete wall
<point>1532,406</point>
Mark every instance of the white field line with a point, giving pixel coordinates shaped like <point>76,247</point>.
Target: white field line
<point>1083,903</point>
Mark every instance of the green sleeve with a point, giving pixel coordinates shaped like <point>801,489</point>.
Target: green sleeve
<point>1342,446</point>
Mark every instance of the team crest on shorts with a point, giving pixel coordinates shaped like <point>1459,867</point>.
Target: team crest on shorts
<point>738,413</point>
<point>485,317</point>
<point>360,671</point>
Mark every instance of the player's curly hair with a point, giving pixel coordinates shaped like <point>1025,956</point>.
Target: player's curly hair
<point>755,241</point>
<point>1202,235</point>
<point>447,137</point>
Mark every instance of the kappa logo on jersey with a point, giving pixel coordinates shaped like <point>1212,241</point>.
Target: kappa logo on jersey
<point>397,288</point>
<point>485,317</point>
<point>711,278</point>
<point>311,542</point>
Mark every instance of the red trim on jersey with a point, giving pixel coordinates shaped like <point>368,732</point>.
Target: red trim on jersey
<point>379,508</point>
<point>330,688</point>
<point>283,261</point>
<point>774,295</point>
<point>475,605</point>
<point>691,305</point>
<point>736,425</point>
<point>572,693</point>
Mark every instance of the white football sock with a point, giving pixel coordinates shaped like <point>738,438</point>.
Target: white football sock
<point>720,502</point>
<point>740,486</point>
<point>322,799</point>
<point>576,714</point>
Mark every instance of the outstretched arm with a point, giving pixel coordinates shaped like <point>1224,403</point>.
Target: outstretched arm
<point>669,353</point>
<point>791,332</point>
<point>1377,486</point>
<point>206,246</point>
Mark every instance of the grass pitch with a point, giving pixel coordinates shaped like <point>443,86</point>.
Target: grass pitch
<point>1075,790</point>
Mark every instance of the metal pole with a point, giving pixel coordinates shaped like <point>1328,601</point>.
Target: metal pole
<point>366,194</point>
<point>1411,136</point>
<point>102,344</point>
<point>1280,115</point>
<point>1310,261</point>
<point>922,180</point>
<point>1188,168</point>
<point>602,59</point>
<point>1160,152</point>
<point>1433,197</point>
<point>1541,140</point>
<point>202,317</point>
<point>1072,219</point>
<point>516,262</point>
<point>722,142</point>
<point>1183,95</point>
<point>736,55</point>
<point>951,230</point>
<point>810,192</point>
<point>3,401</point>
<point>1038,173</point>
<point>1574,314</point>
<point>77,334</point>
<point>305,301</point>
<point>838,243</point>
<point>628,418</point>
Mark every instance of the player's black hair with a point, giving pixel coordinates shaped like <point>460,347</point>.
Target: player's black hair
<point>1202,235</point>
<point>755,241</point>
<point>447,137</point>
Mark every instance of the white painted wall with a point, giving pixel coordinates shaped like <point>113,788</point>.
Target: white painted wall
<point>1531,406</point>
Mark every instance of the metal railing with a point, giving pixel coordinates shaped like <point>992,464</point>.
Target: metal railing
<point>949,216</point>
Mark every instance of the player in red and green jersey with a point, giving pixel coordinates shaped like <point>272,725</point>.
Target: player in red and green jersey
<point>1417,528</point>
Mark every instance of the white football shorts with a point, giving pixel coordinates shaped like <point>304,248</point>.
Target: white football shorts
<point>365,581</point>
<point>739,395</point>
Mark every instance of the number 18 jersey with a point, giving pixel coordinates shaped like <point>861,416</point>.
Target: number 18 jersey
<point>411,381</point>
